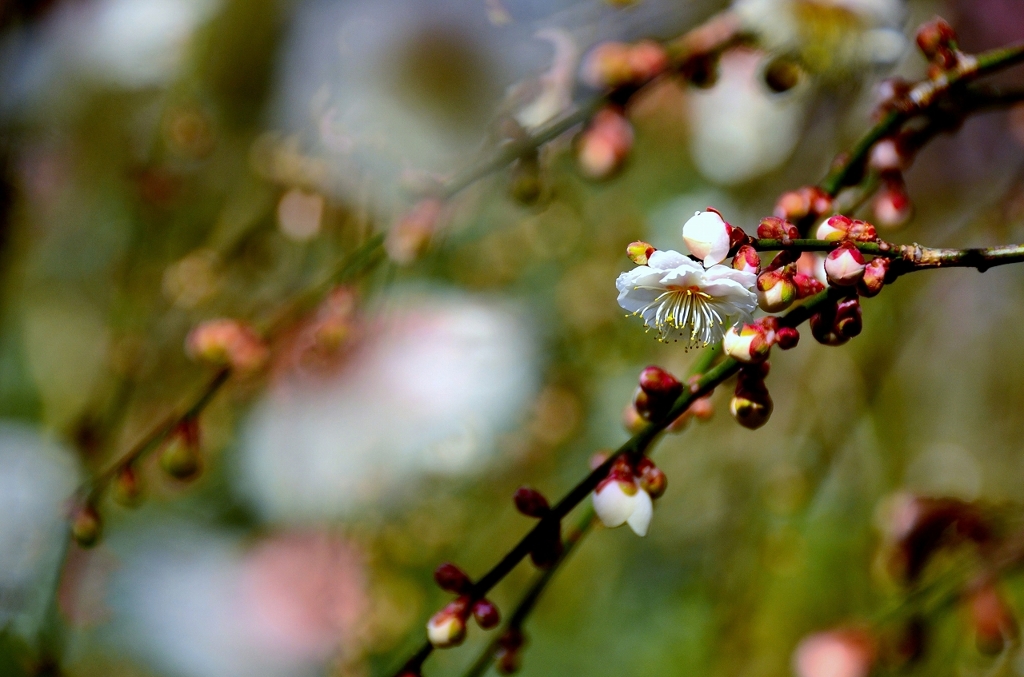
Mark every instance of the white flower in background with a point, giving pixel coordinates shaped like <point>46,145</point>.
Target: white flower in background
<point>706,235</point>
<point>834,36</point>
<point>740,129</point>
<point>37,477</point>
<point>620,500</point>
<point>683,301</point>
<point>436,380</point>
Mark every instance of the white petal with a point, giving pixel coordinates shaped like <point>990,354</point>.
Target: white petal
<point>643,509</point>
<point>668,259</point>
<point>614,506</point>
<point>707,237</point>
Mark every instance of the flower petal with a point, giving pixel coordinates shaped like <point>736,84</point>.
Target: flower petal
<point>643,509</point>
<point>613,505</point>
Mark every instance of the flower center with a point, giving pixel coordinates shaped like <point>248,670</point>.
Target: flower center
<point>679,308</point>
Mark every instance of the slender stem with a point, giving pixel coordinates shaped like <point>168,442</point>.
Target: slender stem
<point>911,257</point>
<point>920,99</point>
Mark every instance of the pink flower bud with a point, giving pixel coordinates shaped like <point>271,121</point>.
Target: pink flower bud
<point>652,478</point>
<point>227,343</point>
<point>845,265</point>
<point>993,621</point>
<point>886,157</point>
<point>411,234</point>
<point>451,578</point>
<point>934,36</point>
<point>834,228</point>
<point>836,653</point>
<point>486,614</point>
<point>861,231</point>
<point>607,65</point>
<point>632,421</point>
<point>803,202</point>
<point>603,146</point>
<point>750,343</point>
<point>874,277</point>
<point>639,252</point>
<point>702,408</point>
<point>776,291</point>
<point>708,237</point>
<point>787,337</point>
<point>86,525</point>
<point>447,627</point>
<point>647,60</point>
<point>747,260</point>
<point>127,488</point>
<point>892,206</point>
<point>848,322</point>
<point>775,228</point>
<point>531,502</point>
<point>807,285</point>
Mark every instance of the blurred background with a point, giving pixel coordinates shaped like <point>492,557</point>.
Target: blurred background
<point>166,162</point>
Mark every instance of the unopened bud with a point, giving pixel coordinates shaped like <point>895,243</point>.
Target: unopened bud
<point>180,458</point>
<point>607,65</point>
<point>823,328</point>
<point>775,291</point>
<point>751,407</point>
<point>647,60</point>
<point>993,621</point>
<point>639,252</point>
<point>807,285</point>
<point>749,343</point>
<point>603,146</point>
<point>86,525</point>
<point>411,233</point>
<point>787,337</point>
<point>227,343</point>
<point>833,228</point>
<point>747,260</point>
<point>508,655</point>
<point>935,36</point>
<point>835,653</point>
<point>632,421</point>
<point>708,237</point>
<point>892,206</point>
<point>874,277</point>
<point>127,488</point>
<point>531,502</point>
<point>656,381</point>
<point>652,478</point>
<point>861,231</point>
<point>886,157</point>
<point>702,408</point>
<point>848,322</point>
<point>775,228</point>
<point>451,578</point>
<point>486,614</point>
<point>808,201</point>
<point>845,265</point>
<point>447,627</point>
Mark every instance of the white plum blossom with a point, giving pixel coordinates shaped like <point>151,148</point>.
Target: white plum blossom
<point>683,301</point>
<point>619,501</point>
<point>706,235</point>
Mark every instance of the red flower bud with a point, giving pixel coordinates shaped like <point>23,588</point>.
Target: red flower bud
<point>639,252</point>
<point>531,502</point>
<point>848,322</point>
<point>451,578</point>
<point>652,478</point>
<point>127,488</point>
<point>486,614</point>
<point>874,277</point>
<point>86,525</point>
<point>807,285</point>
<point>746,259</point>
<point>935,36</point>
<point>787,337</point>
<point>823,328</point>
<point>775,228</point>
<point>861,231</point>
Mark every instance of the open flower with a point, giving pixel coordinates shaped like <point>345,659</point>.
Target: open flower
<point>683,301</point>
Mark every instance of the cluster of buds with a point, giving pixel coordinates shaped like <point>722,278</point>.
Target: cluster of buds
<point>410,235</point>
<point>751,343</point>
<point>626,495</point>
<point>845,266</point>
<point>181,457</point>
<point>804,204</point>
<point>655,394</point>
<point>612,65</point>
<point>837,323</point>
<point>227,343</point>
<point>547,546</point>
<point>781,283</point>
<point>447,627</point>
<point>843,652</point>
<point>751,405</point>
<point>602,148</point>
<point>937,41</point>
